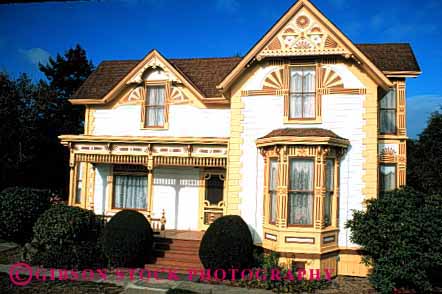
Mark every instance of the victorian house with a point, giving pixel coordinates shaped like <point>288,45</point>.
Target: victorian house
<point>292,137</point>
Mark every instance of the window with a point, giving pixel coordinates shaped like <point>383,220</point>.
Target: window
<point>329,191</point>
<point>130,188</point>
<point>155,106</point>
<point>302,93</point>
<point>79,183</point>
<point>387,177</point>
<point>388,113</point>
<point>273,184</point>
<point>300,192</point>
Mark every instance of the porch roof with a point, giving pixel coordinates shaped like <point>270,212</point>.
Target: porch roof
<point>302,136</point>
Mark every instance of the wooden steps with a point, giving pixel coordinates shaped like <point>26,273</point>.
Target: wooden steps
<point>179,255</point>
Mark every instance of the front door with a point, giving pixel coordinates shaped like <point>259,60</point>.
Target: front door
<point>211,197</point>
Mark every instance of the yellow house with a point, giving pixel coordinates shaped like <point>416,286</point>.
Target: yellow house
<point>292,136</point>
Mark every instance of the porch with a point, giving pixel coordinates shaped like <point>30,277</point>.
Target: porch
<point>177,183</point>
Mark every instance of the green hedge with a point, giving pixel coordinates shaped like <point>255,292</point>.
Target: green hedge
<point>401,234</point>
<point>227,244</point>
<point>19,210</point>
<point>66,236</point>
<point>127,239</point>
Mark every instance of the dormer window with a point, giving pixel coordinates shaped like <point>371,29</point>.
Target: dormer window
<point>302,100</point>
<point>155,106</point>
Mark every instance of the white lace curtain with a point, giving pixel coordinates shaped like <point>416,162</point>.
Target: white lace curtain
<point>329,182</point>
<point>388,177</point>
<point>302,92</point>
<point>130,191</point>
<point>273,188</point>
<point>155,106</point>
<point>301,192</point>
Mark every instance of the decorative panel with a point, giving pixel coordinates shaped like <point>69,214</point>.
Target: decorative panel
<point>303,35</point>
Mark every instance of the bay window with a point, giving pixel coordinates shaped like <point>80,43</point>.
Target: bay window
<point>302,97</point>
<point>387,113</point>
<point>129,188</point>
<point>273,184</point>
<point>300,192</point>
<point>155,106</point>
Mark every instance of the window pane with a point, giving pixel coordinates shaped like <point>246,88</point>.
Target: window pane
<point>156,95</point>
<point>301,174</point>
<point>301,191</point>
<point>309,79</point>
<point>296,80</point>
<point>300,208</point>
<point>273,183</point>
<point>389,99</point>
<point>329,182</point>
<point>388,121</point>
<point>309,106</point>
<point>387,178</point>
<point>295,106</point>
<point>130,191</point>
<point>79,183</point>
<point>214,189</point>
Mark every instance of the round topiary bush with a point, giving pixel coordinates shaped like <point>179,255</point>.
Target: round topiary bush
<point>127,239</point>
<point>19,210</point>
<point>227,244</point>
<point>66,236</point>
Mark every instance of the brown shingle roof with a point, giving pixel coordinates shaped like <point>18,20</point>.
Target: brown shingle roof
<point>104,78</point>
<point>301,132</point>
<point>206,73</point>
<point>391,57</point>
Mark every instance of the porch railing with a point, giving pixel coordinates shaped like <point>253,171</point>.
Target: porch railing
<point>157,224</point>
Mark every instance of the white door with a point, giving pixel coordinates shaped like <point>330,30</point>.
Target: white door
<point>176,190</point>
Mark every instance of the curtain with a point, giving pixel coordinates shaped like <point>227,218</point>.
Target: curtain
<point>155,106</point>
<point>302,92</point>
<point>388,177</point>
<point>273,184</point>
<point>388,113</point>
<point>329,181</point>
<point>301,191</point>
<point>79,182</point>
<point>130,191</point>
<point>309,90</point>
<point>295,107</point>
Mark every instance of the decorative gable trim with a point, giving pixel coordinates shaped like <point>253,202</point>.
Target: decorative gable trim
<point>269,44</point>
<point>303,35</point>
<point>152,60</point>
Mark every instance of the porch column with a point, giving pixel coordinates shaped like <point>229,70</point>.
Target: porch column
<point>72,168</point>
<point>149,183</point>
<point>282,188</point>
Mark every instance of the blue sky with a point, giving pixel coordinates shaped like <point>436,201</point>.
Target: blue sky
<point>128,29</point>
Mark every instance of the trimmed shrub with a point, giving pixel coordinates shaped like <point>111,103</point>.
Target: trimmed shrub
<point>227,244</point>
<point>66,236</point>
<point>19,210</point>
<point>127,239</point>
<point>401,235</point>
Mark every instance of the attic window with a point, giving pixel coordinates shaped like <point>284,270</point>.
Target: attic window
<point>155,108</point>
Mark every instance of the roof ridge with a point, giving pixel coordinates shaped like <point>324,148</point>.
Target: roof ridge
<point>388,43</point>
<point>205,58</point>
